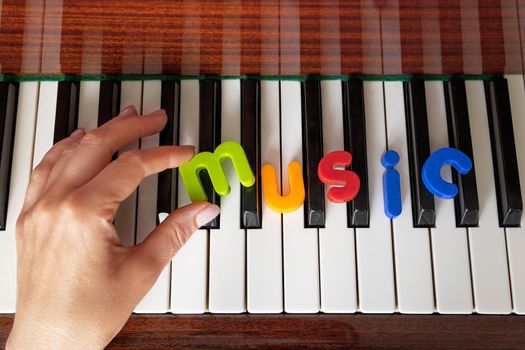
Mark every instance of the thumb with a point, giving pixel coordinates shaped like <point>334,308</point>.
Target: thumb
<point>164,242</point>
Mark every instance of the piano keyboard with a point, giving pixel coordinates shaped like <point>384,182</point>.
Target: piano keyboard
<point>451,257</point>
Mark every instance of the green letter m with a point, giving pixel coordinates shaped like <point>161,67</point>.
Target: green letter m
<point>212,162</point>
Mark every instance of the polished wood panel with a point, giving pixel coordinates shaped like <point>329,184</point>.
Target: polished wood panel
<point>270,37</point>
<point>315,331</point>
<point>521,23</point>
<point>276,37</point>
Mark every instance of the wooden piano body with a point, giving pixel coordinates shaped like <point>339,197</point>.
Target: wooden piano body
<point>382,39</point>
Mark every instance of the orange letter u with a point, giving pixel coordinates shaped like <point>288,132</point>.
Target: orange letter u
<point>272,195</point>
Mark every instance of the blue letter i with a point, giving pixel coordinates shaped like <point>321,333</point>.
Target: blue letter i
<point>391,185</point>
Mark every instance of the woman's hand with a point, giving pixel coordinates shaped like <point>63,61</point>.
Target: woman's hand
<point>77,284</point>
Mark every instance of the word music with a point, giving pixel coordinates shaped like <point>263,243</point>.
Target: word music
<point>331,170</point>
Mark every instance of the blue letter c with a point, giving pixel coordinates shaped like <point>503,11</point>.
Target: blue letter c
<point>432,171</point>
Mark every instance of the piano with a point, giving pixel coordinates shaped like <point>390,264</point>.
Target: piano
<point>293,80</point>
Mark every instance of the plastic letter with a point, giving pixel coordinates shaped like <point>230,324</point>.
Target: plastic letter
<point>190,170</point>
<point>432,171</point>
<point>272,196</point>
<point>348,180</point>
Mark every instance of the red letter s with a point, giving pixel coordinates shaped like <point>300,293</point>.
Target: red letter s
<point>347,180</point>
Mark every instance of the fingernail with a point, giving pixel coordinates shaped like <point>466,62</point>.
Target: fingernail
<point>207,214</point>
<point>157,113</point>
<point>128,110</point>
<point>77,133</point>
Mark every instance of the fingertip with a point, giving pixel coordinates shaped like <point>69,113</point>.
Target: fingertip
<point>187,150</point>
<point>192,147</point>
<point>152,123</point>
<point>128,110</point>
<point>77,133</point>
<point>158,119</point>
<point>159,113</point>
<point>207,214</point>
<point>181,154</point>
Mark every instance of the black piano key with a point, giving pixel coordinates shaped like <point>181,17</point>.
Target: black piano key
<point>355,143</point>
<point>251,142</point>
<point>508,191</point>
<point>210,133</point>
<point>66,116</point>
<point>8,107</point>
<point>466,202</point>
<point>167,179</point>
<point>423,212</point>
<point>314,215</point>
<point>108,103</point>
<point>109,100</point>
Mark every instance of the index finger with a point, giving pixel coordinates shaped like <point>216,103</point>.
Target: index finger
<point>120,178</point>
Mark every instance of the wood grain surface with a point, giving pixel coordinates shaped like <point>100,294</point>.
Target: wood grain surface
<point>261,37</point>
<point>315,332</point>
<point>276,37</point>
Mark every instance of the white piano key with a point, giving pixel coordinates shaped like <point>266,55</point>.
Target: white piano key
<point>189,267</point>
<point>411,245</point>
<point>264,246</point>
<point>163,216</point>
<point>449,243</point>
<point>490,275</point>
<point>516,236</point>
<point>158,298</point>
<point>336,241</point>
<point>375,263</point>
<point>88,105</point>
<point>45,124</point>
<point>20,173</point>
<point>227,244</point>
<point>301,255</point>
<point>130,94</point>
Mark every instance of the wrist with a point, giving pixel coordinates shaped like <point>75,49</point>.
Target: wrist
<point>25,335</point>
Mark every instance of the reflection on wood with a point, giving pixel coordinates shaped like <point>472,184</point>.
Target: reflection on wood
<point>315,331</point>
<point>271,37</point>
